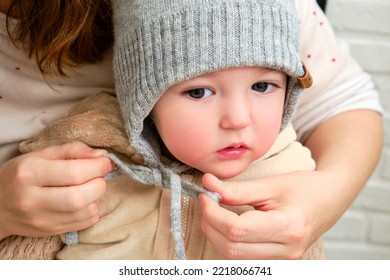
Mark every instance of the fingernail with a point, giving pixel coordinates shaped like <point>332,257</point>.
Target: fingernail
<point>96,152</point>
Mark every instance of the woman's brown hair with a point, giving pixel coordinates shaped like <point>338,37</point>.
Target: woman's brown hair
<point>62,33</point>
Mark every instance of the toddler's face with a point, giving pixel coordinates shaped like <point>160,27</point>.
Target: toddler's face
<point>221,122</point>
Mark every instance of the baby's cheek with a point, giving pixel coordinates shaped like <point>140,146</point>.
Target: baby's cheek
<point>188,147</point>
<point>268,136</point>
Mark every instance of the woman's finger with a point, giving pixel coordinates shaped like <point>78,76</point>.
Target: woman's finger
<point>75,221</point>
<point>258,193</point>
<point>242,250</point>
<point>251,226</point>
<point>68,172</point>
<point>71,198</point>
<point>72,150</point>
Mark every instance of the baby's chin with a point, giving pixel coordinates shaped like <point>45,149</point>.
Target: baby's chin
<point>225,174</point>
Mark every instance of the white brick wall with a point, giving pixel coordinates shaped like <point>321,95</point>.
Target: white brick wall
<point>364,230</point>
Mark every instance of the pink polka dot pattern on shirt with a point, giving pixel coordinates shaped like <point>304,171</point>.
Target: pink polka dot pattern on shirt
<point>320,23</point>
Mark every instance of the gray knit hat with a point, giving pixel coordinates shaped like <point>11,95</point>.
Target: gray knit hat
<point>159,43</point>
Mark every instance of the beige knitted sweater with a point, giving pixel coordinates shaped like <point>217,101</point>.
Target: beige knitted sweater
<point>135,221</point>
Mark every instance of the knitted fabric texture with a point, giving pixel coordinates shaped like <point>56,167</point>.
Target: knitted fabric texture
<point>30,248</point>
<point>168,178</point>
<point>162,177</point>
<point>159,43</point>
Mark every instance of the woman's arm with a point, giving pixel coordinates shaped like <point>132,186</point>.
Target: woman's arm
<point>346,147</point>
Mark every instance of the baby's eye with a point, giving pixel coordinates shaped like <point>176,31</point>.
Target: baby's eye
<point>199,93</point>
<point>262,87</point>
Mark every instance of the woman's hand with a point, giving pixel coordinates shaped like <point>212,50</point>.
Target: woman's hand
<point>52,191</point>
<point>283,223</point>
